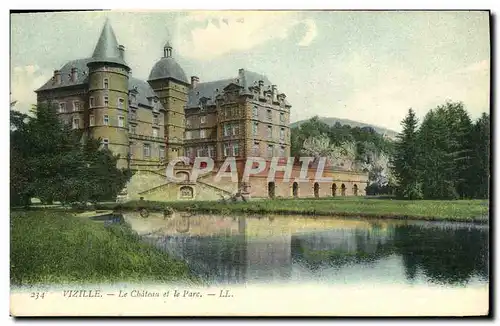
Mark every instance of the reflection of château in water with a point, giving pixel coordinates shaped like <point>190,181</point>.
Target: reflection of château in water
<point>346,240</point>
<point>234,258</point>
<point>248,250</point>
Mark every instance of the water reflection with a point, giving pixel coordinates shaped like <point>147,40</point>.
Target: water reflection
<point>291,249</point>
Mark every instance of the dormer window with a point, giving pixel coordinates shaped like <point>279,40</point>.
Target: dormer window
<point>156,105</point>
<point>62,107</point>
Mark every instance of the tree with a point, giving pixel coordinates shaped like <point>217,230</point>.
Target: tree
<point>446,152</point>
<point>405,160</point>
<point>52,162</point>
<point>480,160</point>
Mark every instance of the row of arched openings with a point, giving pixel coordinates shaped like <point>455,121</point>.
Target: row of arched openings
<point>271,187</point>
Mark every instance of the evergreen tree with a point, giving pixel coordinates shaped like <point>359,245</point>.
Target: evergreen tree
<point>435,165</point>
<point>405,158</point>
<point>480,161</point>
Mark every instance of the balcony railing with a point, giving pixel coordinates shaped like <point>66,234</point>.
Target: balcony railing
<point>145,137</point>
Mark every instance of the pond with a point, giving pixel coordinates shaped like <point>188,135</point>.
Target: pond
<point>299,249</point>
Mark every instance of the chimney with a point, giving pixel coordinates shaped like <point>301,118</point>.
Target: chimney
<point>121,48</point>
<point>57,77</point>
<point>261,88</point>
<point>74,74</point>
<point>194,81</point>
<point>274,93</point>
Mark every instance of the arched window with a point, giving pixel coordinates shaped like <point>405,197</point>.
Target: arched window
<point>271,189</point>
<point>334,190</point>
<point>184,175</point>
<point>342,189</point>
<point>355,189</point>
<point>316,189</point>
<point>186,192</point>
<point>295,190</point>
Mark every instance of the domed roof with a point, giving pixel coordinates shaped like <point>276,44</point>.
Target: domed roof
<point>168,68</point>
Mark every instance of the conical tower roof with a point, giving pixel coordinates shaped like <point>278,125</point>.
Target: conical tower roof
<point>107,49</point>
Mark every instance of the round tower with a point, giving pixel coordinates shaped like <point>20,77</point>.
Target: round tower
<point>168,80</point>
<point>108,95</point>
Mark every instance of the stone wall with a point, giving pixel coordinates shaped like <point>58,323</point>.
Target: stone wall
<point>153,185</point>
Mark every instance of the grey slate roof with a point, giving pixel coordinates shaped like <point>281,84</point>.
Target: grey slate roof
<point>167,67</point>
<point>106,49</point>
<point>82,75</point>
<point>143,89</point>
<point>209,89</point>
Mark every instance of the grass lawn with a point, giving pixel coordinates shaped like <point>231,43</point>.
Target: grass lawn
<point>450,210</point>
<point>50,247</point>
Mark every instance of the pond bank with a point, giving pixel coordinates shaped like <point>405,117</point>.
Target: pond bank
<point>54,247</point>
<point>473,211</point>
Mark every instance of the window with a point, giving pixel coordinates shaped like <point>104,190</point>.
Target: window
<point>121,121</point>
<point>282,133</point>
<point>105,120</point>
<point>256,149</point>
<point>92,120</point>
<point>133,115</point>
<point>282,117</point>
<point>199,152</point>
<point>269,115</point>
<point>76,123</point>
<point>155,132</point>
<point>147,150</point>
<point>62,107</point>
<point>186,192</point>
<point>105,143</point>
<point>106,83</point>
<point>269,132</point>
<point>188,122</point>
<point>255,112</point>
<point>236,149</point>
<point>227,128</point>
<point>155,120</point>
<point>189,151</point>
<point>282,151</point>
<point>236,129</point>
<point>203,119</point>
<point>76,106</point>
<point>106,101</point>
<point>91,102</point>
<point>162,152</point>
<point>202,133</point>
<point>269,150</point>
<point>132,129</point>
<point>255,128</point>
<point>121,103</point>
<point>188,134</point>
<point>211,151</point>
<point>156,106</point>
<point>226,149</point>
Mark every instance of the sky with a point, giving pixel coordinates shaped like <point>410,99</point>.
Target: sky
<point>369,66</point>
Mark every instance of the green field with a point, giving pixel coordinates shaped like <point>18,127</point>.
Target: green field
<point>50,247</point>
<point>452,210</point>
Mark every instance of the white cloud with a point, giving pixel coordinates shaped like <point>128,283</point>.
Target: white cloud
<point>224,32</point>
<point>311,33</point>
<point>24,81</point>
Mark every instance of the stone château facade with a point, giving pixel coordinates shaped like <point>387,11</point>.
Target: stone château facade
<point>149,123</point>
